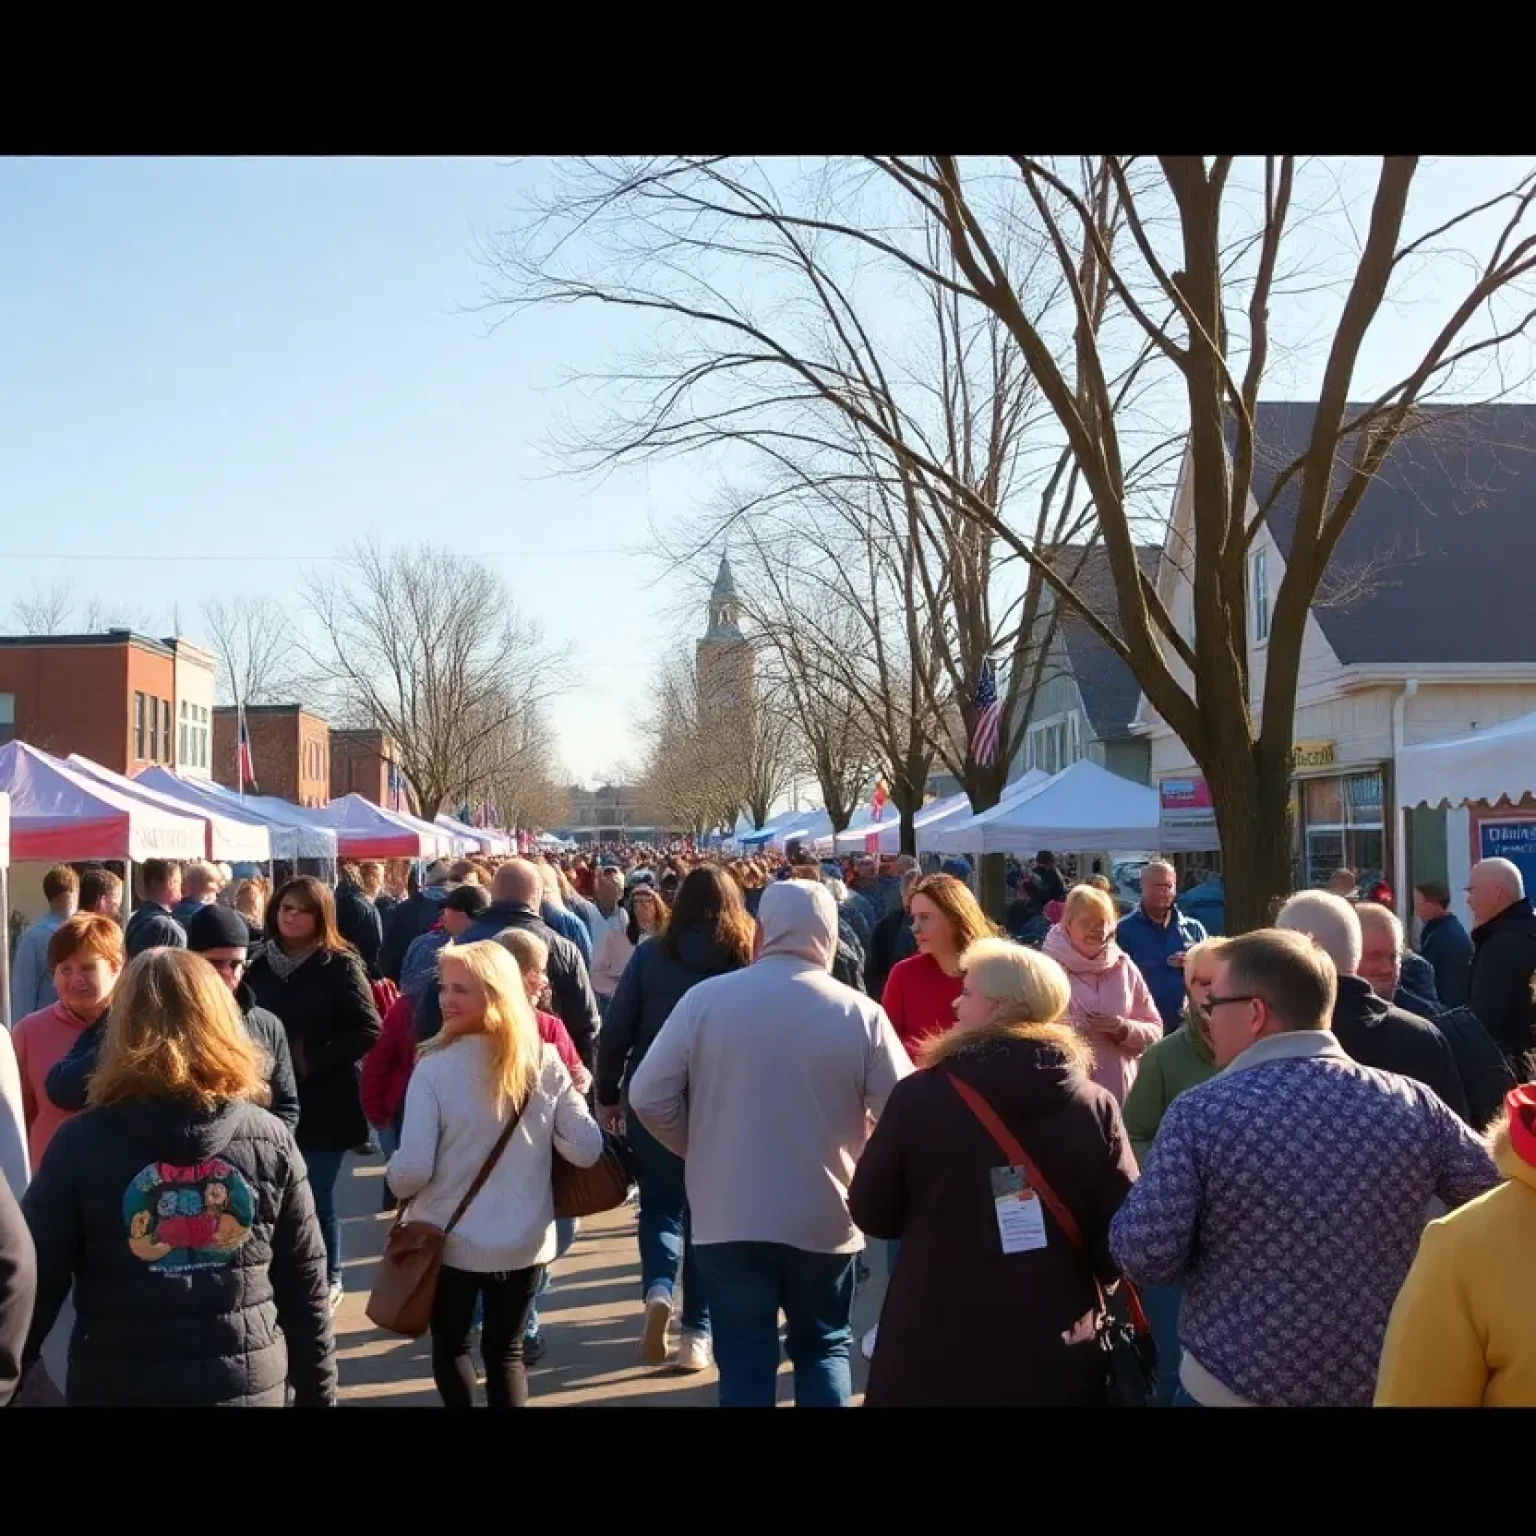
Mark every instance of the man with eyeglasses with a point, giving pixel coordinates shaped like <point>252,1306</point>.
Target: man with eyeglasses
<point>220,936</point>
<point>1287,1194</point>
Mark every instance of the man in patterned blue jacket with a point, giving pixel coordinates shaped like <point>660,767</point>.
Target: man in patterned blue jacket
<point>1287,1194</point>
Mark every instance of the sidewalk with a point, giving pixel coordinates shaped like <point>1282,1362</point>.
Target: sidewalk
<point>590,1319</point>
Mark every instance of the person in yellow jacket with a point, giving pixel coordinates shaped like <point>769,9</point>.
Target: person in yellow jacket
<point>1463,1331</point>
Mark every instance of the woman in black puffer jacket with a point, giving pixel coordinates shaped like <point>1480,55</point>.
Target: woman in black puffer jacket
<point>314,982</point>
<point>181,1214</point>
<point>707,934</point>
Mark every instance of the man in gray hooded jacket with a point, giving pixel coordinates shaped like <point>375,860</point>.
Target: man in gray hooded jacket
<point>765,1080</point>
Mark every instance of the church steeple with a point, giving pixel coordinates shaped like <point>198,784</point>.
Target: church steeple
<point>724,605</point>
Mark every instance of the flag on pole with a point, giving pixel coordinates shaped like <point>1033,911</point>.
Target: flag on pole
<point>877,805</point>
<point>245,767</point>
<point>989,716</point>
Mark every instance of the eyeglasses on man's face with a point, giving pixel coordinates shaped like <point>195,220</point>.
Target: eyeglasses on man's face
<point>1212,1003</point>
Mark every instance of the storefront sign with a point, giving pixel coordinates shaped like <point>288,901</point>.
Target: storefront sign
<point>1187,821</point>
<point>1311,754</point>
<point>1512,840</point>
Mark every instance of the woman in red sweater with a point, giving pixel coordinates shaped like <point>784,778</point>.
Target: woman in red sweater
<point>921,991</point>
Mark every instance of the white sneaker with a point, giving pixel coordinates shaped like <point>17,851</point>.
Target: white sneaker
<point>335,1296</point>
<point>867,1343</point>
<point>693,1353</point>
<point>658,1314</point>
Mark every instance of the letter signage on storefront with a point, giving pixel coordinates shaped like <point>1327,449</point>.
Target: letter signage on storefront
<point>1187,821</point>
<point>1311,754</point>
<point>1512,840</point>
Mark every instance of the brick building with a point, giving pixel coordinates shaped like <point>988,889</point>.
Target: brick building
<point>110,697</point>
<point>290,751</point>
<point>360,761</point>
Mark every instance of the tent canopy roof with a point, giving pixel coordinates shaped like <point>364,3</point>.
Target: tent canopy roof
<point>295,832</point>
<point>1493,764</point>
<point>58,815</point>
<point>1082,808</point>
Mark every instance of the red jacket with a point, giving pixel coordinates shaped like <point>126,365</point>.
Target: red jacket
<point>388,1066</point>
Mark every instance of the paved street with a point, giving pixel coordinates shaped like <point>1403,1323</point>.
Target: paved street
<point>591,1319</point>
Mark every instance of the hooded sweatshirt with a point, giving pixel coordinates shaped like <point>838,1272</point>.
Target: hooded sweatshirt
<point>762,1079</point>
<point>1108,983</point>
<point>1463,1331</point>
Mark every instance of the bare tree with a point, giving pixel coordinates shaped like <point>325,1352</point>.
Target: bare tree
<point>253,638</point>
<point>44,610</point>
<point>427,647</point>
<point>1187,288</point>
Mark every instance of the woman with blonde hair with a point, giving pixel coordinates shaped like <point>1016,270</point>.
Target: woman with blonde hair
<point>976,1243</point>
<point>485,1066</point>
<point>250,901</point>
<point>179,1210</point>
<point>1112,1006</point>
<point>920,993</point>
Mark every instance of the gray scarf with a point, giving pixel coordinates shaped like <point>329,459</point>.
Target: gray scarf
<point>283,964</point>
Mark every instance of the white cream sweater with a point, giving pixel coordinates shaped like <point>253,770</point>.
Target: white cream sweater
<point>448,1133</point>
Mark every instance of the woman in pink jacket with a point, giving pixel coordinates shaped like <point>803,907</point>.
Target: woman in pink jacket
<point>1112,1005</point>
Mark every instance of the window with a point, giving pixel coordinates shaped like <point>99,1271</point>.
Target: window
<point>7,717</point>
<point>138,727</point>
<point>1260,595</point>
<point>1343,826</point>
<point>165,730</point>
<point>183,742</point>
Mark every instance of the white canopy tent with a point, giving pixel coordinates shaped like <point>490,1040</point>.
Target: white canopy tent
<point>483,837</point>
<point>1494,764</point>
<point>295,833</point>
<point>60,816</point>
<point>367,831</point>
<point>1080,809</point>
<point>771,829</point>
<point>231,839</point>
<point>926,821</point>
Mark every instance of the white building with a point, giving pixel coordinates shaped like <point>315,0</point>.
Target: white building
<point>192,707</point>
<point>1424,630</point>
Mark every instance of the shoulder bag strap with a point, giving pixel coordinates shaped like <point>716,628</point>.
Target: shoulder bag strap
<point>1014,1151</point>
<point>486,1167</point>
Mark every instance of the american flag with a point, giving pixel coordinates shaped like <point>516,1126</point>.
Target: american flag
<point>396,787</point>
<point>245,764</point>
<point>989,716</point>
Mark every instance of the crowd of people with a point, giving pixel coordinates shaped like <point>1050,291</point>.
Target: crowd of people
<point>1305,1155</point>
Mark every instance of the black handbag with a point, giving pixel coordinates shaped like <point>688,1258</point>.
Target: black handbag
<point>1121,1328</point>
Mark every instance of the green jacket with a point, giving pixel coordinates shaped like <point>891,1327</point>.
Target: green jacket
<point>1178,1061</point>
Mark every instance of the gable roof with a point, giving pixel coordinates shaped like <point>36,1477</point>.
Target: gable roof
<point>1108,687</point>
<point>1435,563</point>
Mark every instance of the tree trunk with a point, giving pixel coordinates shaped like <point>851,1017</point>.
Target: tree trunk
<point>1253,819</point>
<point>908,800</point>
<point>992,891</point>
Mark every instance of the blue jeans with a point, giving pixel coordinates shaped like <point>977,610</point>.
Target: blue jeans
<point>1182,1399</point>
<point>749,1284</point>
<point>666,1232</point>
<point>1161,1304</point>
<point>566,1228</point>
<point>324,1170</point>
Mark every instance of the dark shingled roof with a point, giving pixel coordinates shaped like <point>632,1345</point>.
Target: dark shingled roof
<point>1435,565</point>
<point>1109,689</point>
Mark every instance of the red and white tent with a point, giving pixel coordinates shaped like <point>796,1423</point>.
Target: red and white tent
<point>367,831</point>
<point>60,816</point>
<point>227,838</point>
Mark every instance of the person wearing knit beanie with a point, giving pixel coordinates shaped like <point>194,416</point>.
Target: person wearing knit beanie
<point>216,928</point>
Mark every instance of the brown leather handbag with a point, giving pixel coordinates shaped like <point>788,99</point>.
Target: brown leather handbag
<point>591,1191</point>
<point>406,1285</point>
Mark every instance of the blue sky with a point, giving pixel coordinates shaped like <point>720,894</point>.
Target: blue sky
<point>264,359</point>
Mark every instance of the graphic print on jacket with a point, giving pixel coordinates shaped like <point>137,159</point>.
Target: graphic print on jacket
<point>182,1219</point>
